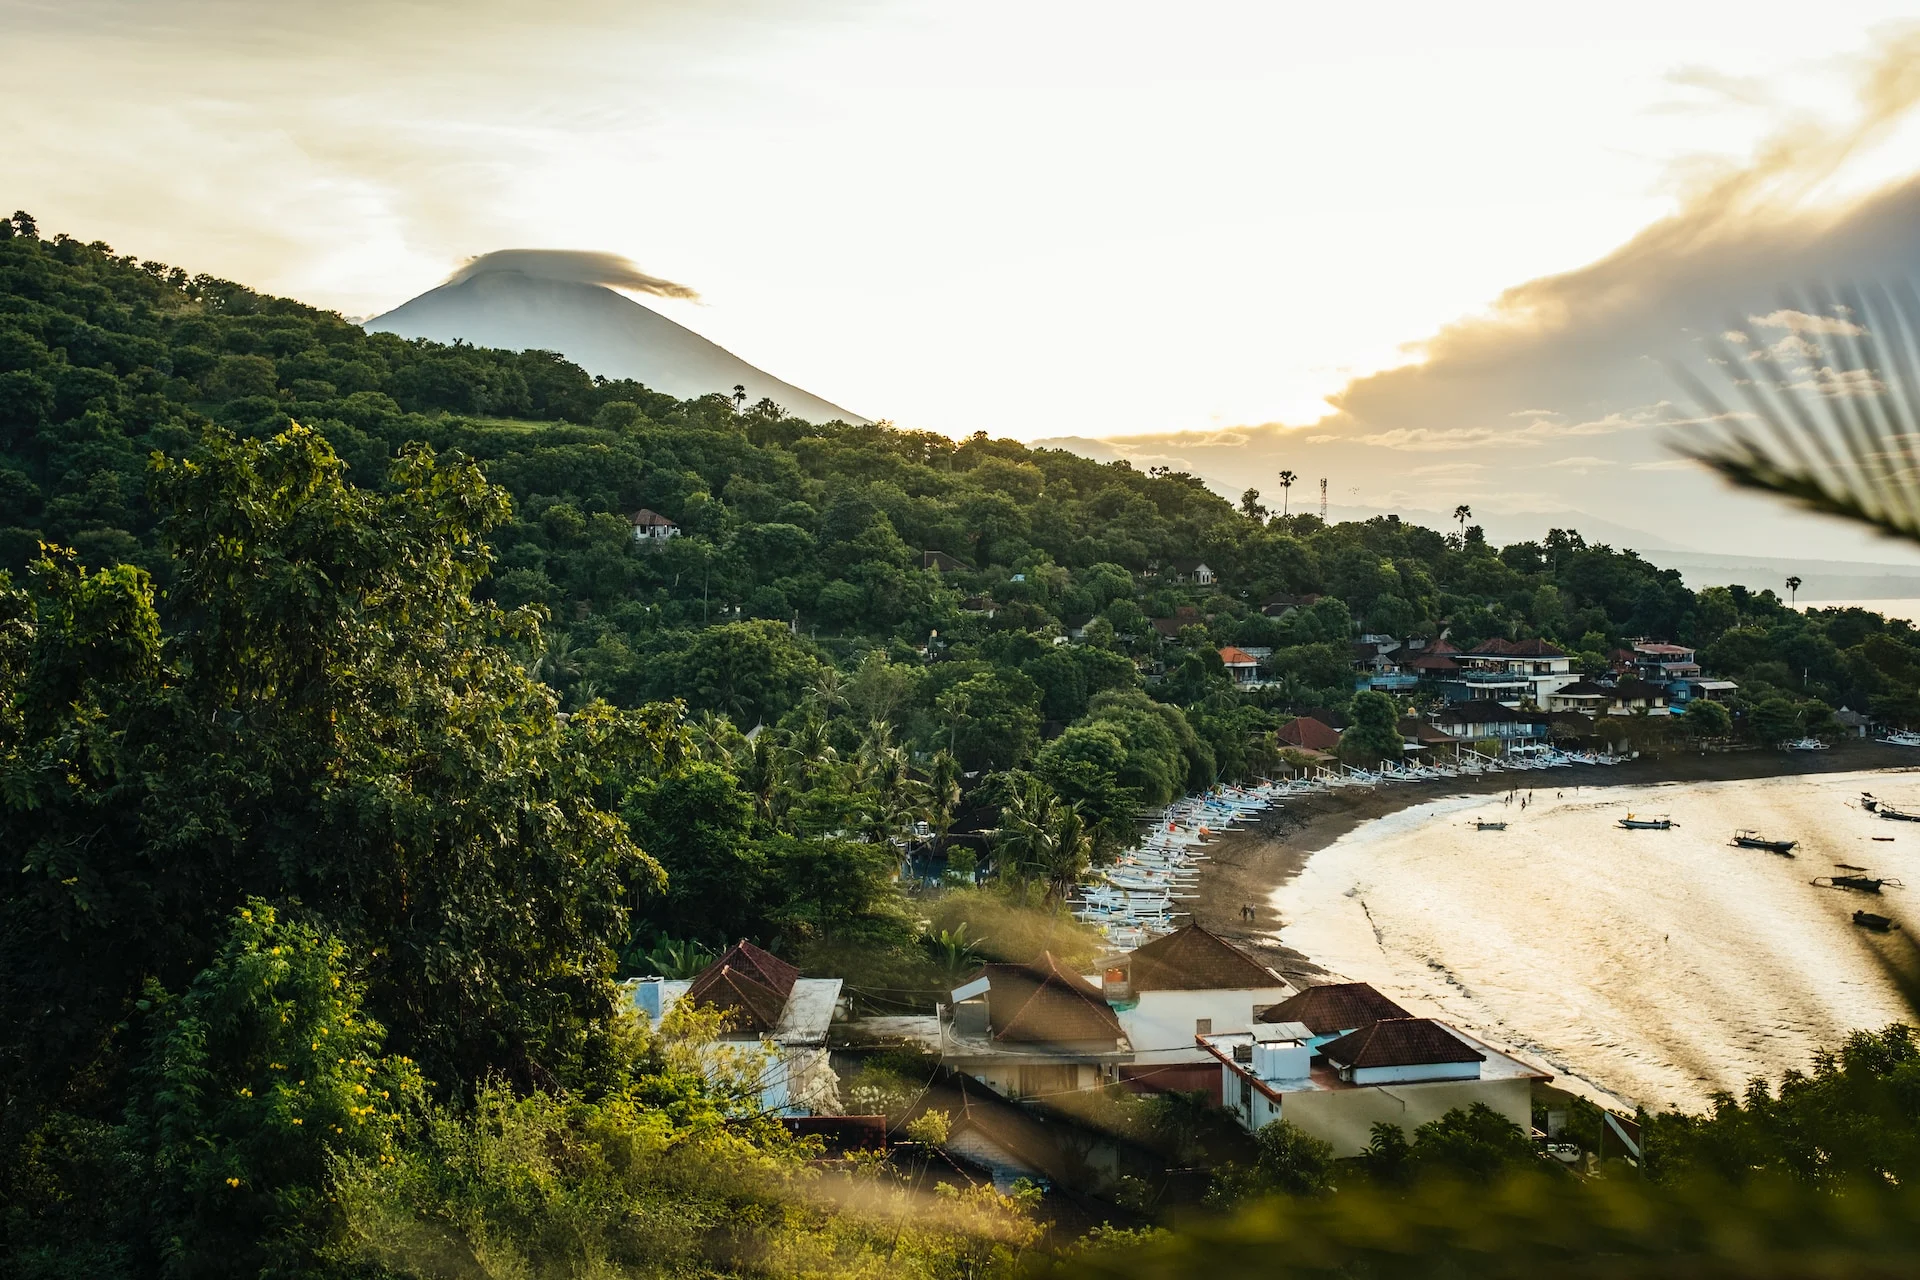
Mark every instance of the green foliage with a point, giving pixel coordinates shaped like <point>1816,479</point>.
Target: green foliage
<point>1373,733</point>
<point>1287,1161</point>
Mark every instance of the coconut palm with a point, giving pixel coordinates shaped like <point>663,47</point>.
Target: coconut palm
<point>1463,513</point>
<point>1041,839</point>
<point>1793,591</point>
<point>1286,490</point>
<point>1835,429</point>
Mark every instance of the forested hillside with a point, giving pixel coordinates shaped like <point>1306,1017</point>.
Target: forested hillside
<point>340,782</point>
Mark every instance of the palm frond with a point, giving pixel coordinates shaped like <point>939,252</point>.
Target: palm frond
<point>1829,415</point>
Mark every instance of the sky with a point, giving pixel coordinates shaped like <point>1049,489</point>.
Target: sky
<point>1436,253</point>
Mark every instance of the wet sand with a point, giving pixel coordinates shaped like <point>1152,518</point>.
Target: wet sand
<point>1248,864</point>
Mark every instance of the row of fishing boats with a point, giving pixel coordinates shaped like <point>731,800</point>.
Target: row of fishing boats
<point>1140,895</point>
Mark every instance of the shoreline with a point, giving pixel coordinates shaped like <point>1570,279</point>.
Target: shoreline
<point>1248,863</point>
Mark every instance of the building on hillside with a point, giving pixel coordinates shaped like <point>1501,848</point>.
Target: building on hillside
<point>651,526</point>
<point>769,1005</point>
<point>1188,569</point>
<point>1242,667</point>
<point>1477,721</point>
<point>1506,671</point>
<point>1281,605</point>
<point>1714,690</point>
<point>1308,734</point>
<point>984,606</point>
<point>1422,739</point>
<point>1184,616</point>
<point>1585,696</point>
<point>1189,983</point>
<point>1855,724</point>
<point>1034,1029</point>
<point>1631,697</point>
<point>1404,1072</point>
<point>940,562</point>
<point>1660,663</point>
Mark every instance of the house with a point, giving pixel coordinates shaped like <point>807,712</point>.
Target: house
<point>651,526</point>
<point>1281,605</point>
<point>1242,667</point>
<point>1032,1029</point>
<point>1419,735</point>
<point>982,605</point>
<point>1329,1010</point>
<point>1308,734</point>
<point>1662,663</point>
<point>1184,616</point>
<point>1853,722</point>
<point>1402,1071</point>
<point>1716,690</point>
<point>1505,671</point>
<point>1188,569</point>
<point>768,1006</point>
<point>1632,696</point>
<point>1584,696</point>
<point>1473,721</point>
<point>940,562</point>
<point>1190,982</point>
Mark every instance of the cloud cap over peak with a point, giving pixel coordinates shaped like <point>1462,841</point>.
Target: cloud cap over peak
<point>573,266</point>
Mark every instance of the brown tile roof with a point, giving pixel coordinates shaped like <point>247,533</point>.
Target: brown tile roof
<point>1238,657</point>
<point>645,518</point>
<point>1044,1003</point>
<point>1494,646</point>
<point>1415,729</point>
<point>1400,1042</point>
<point>1441,646</point>
<point>1308,733</point>
<point>1335,1007</point>
<point>752,983</point>
<point>1192,959</point>
<point>1534,649</point>
<point>1434,662</point>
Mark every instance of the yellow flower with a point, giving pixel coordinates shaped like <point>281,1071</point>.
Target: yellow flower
<point>297,1120</point>
<point>233,1182</point>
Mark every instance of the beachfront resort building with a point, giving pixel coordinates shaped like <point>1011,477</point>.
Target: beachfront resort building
<point>776,1030</point>
<point>1480,721</point>
<point>1189,983</point>
<point>1403,1071</point>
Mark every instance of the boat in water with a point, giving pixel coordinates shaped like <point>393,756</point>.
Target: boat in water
<point>1859,881</point>
<point>1632,823</point>
<point>1747,839</point>
<point>1868,920</point>
<point>1873,804</point>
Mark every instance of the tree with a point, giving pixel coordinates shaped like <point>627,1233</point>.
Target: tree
<point>1705,718</point>
<point>1250,506</point>
<point>1775,720</point>
<point>1793,591</point>
<point>697,821</point>
<point>1462,514</point>
<point>1287,1161</point>
<point>1041,839</point>
<point>1373,730</point>
<point>1286,490</point>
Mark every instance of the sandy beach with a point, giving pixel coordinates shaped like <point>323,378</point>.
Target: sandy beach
<point>1248,864</point>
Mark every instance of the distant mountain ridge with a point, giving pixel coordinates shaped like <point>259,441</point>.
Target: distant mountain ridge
<point>602,331</point>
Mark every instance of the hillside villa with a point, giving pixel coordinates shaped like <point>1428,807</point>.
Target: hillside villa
<point>651,526</point>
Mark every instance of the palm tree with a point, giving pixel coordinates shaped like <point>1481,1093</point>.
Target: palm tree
<point>1837,436</point>
<point>1286,490</point>
<point>1042,840</point>
<point>1793,591</point>
<point>1463,513</point>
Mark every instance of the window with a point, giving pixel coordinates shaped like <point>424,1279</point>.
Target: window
<point>1246,1095</point>
<point>1203,1026</point>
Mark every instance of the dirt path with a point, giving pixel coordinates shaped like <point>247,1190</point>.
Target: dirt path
<point>1247,865</point>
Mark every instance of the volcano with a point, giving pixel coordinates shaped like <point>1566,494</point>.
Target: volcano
<point>603,331</point>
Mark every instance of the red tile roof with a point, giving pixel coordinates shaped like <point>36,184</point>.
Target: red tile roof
<point>1399,1042</point>
<point>1534,649</point>
<point>1334,1007</point>
<point>1238,657</point>
<point>1494,646</point>
<point>1309,734</point>
<point>1192,959</point>
<point>752,983</point>
<point>1044,1003</point>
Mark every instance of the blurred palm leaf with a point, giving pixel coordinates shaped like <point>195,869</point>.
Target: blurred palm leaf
<point>1829,414</point>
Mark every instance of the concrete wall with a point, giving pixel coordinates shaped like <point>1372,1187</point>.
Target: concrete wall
<point>1021,1080</point>
<point>1345,1117</point>
<point>1161,1025</point>
<point>1418,1074</point>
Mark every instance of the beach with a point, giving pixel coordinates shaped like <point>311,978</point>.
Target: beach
<point>1405,900</point>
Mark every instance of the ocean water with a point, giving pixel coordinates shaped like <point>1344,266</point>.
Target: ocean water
<point>1653,967</point>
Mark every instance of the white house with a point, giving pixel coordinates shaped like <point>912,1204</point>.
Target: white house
<point>651,526</point>
<point>1195,571</point>
<point>771,1007</point>
<point>1243,668</point>
<point>1403,1071</point>
<point>1189,983</point>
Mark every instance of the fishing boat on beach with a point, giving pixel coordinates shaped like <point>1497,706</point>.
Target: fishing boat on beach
<point>1805,744</point>
<point>1663,823</point>
<point>1749,839</point>
<point>1901,738</point>
<point>1489,826</point>
<point>1873,804</point>
<point>1868,920</point>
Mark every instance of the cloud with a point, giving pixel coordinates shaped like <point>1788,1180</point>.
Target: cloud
<point>1584,463</point>
<point>1800,322</point>
<point>573,266</point>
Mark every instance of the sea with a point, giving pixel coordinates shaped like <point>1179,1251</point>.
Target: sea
<point>1639,967</point>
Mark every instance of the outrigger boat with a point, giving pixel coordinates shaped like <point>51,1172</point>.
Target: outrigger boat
<point>1861,882</point>
<point>1490,826</point>
<point>1632,823</point>
<point>1746,839</point>
<point>1868,920</point>
<point>1872,804</point>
